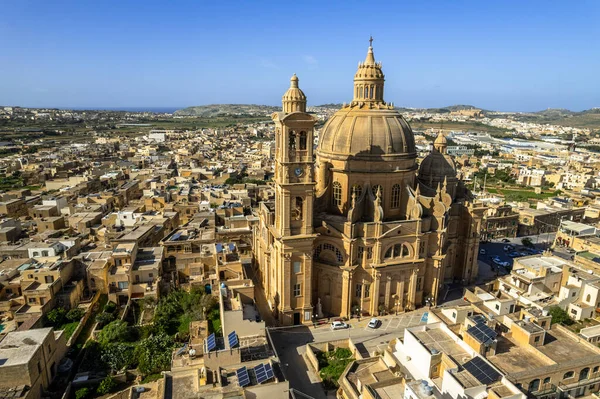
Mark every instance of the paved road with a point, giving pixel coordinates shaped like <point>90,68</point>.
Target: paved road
<point>290,344</point>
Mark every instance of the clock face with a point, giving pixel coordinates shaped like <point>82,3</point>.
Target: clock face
<point>298,171</point>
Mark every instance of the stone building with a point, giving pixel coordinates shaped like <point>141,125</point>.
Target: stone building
<point>364,228</point>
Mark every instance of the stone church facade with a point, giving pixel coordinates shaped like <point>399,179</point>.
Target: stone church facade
<point>359,226</point>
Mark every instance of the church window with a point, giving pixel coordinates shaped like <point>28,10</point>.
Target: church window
<point>405,251</point>
<point>358,291</point>
<point>397,251</point>
<point>366,91</point>
<point>327,247</point>
<point>419,283</point>
<point>371,93</point>
<point>297,267</point>
<point>396,196</point>
<point>302,141</point>
<point>367,290</point>
<point>337,193</point>
<point>357,190</point>
<point>292,141</point>
<point>296,289</point>
<point>297,207</point>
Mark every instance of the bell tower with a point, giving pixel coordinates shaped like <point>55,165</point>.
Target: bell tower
<point>294,196</point>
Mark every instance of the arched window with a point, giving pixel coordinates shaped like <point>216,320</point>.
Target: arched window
<point>357,190</point>
<point>297,207</point>
<point>302,141</point>
<point>371,93</point>
<point>337,194</point>
<point>584,373</point>
<point>534,385</point>
<point>329,253</point>
<point>547,380</point>
<point>292,142</point>
<point>366,91</point>
<point>568,374</point>
<point>396,196</point>
<point>397,251</point>
<point>405,251</point>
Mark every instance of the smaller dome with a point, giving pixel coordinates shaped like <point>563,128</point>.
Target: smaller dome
<point>440,140</point>
<point>436,167</point>
<point>294,99</point>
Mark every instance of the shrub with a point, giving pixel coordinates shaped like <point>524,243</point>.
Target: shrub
<point>115,331</point>
<point>57,316</point>
<point>75,314</point>
<point>560,316</point>
<point>110,307</point>
<point>105,318</point>
<point>106,386</point>
<point>82,393</point>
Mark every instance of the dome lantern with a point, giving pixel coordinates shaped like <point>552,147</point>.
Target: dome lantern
<point>294,99</point>
<point>368,80</point>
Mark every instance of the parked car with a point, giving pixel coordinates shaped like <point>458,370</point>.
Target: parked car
<point>508,248</point>
<point>505,240</point>
<point>374,323</point>
<point>514,254</point>
<point>339,325</point>
<point>482,251</point>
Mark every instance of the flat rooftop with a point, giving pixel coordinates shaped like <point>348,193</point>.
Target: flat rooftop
<point>547,262</point>
<point>559,347</point>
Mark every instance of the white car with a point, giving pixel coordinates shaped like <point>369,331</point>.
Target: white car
<point>373,323</point>
<point>482,251</point>
<point>338,325</point>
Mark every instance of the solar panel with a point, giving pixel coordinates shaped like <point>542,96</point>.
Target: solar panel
<point>261,373</point>
<point>482,333</point>
<point>269,371</point>
<point>211,342</point>
<point>233,339</point>
<point>242,376</point>
<point>176,236</point>
<point>482,371</point>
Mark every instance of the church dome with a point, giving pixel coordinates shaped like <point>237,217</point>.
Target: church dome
<point>438,165</point>
<point>363,132</point>
<point>367,128</point>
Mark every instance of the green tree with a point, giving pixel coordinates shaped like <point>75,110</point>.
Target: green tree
<point>82,393</point>
<point>154,354</point>
<point>115,331</point>
<point>57,316</point>
<point>105,318</point>
<point>560,316</point>
<point>118,356</point>
<point>106,386</point>
<point>75,314</point>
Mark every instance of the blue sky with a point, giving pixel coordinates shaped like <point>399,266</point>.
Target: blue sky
<point>505,55</point>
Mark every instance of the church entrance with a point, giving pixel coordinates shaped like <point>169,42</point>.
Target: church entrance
<point>296,318</point>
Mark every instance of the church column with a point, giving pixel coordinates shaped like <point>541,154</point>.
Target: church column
<point>438,266</point>
<point>309,213</point>
<point>400,293</point>
<point>388,291</point>
<point>346,292</point>
<point>285,214</point>
<point>375,294</point>
<point>285,283</point>
<point>307,288</point>
<point>412,290</point>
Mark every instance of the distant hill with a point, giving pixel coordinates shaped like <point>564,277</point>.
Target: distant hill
<point>213,110</point>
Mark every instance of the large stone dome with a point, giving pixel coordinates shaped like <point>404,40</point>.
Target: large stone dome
<point>368,128</point>
<point>364,132</point>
